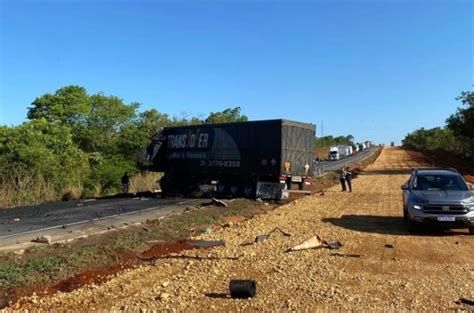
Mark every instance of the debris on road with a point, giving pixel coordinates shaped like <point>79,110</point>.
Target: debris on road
<point>215,201</point>
<point>265,237</point>
<point>242,289</point>
<point>389,245</point>
<point>334,245</point>
<point>311,243</point>
<point>16,219</point>
<point>346,255</point>
<point>42,239</point>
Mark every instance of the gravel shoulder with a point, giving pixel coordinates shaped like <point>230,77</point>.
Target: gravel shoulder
<point>423,272</point>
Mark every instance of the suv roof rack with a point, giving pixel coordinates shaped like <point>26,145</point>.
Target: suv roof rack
<point>451,169</point>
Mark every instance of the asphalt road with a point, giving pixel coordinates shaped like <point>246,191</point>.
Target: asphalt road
<point>327,166</point>
<point>73,219</point>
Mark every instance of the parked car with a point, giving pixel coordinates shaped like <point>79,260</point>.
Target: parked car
<point>438,197</point>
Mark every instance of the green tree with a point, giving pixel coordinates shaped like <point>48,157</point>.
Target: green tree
<point>226,116</point>
<point>45,152</point>
<point>67,105</point>
<point>327,141</point>
<point>462,122</point>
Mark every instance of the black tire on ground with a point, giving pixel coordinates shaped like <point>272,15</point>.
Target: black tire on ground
<point>471,230</point>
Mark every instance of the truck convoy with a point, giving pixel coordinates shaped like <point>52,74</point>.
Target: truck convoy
<point>253,159</point>
<point>340,152</point>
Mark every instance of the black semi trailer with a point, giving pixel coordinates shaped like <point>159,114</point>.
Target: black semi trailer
<point>258,158</point>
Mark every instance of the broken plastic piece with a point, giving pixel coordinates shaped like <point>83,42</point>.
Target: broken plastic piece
<point>311,243</point>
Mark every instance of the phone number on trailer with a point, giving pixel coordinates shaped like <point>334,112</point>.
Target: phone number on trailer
<point>220,163</point>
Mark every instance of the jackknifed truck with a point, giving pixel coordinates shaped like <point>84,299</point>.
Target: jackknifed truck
<point>253,159</point>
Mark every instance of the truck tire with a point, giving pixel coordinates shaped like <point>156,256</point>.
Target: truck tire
<point>471,230</point>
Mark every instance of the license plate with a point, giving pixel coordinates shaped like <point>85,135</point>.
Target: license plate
<point>297,179</point>
<point>446,218</point>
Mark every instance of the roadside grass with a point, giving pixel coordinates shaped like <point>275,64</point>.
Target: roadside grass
<point>46,265</point>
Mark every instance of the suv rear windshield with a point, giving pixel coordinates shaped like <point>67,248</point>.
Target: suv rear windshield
<point>439,182</point>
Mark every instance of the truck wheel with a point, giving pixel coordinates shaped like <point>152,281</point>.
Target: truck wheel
<point>249,192</point>
<point>301,185</point>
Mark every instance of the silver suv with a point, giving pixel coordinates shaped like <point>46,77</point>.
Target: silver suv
<point>439,197</point>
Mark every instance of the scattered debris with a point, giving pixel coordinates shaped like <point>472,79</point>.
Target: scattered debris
<point>316,242</point>
<point>311,243</point>
<point>205,243</point>
<point>64,226</point>
<point>346,255</point>
<point>145,229</point>
<point>389,245</point>
<point>16,219</point>
<point>242,289</point>
<point>334,245</point>
<point>265,237</point>
<point>465,301</point>
<point>42,239</point>
<point>215,202</point>
<point>261,238</point>
<point>208,230</point>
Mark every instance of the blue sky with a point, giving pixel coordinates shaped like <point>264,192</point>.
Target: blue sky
<point>373,69</point>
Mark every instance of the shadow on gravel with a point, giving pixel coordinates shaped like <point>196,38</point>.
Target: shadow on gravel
<point>218,295</point>
<point>388,171</point>
<point>388,225</point>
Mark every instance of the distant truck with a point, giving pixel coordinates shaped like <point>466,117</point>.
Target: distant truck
<point>339,152</point>
<point>252,159</point>
<point>362,146</point>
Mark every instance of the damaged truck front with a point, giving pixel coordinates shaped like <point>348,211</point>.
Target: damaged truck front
<point>252,159</point>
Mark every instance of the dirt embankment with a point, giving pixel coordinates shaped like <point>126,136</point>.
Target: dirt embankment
<point>381,267</point>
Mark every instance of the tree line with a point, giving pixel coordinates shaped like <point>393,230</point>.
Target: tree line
<point>75,144</point>
<point>456,137</point>
<point>328,141</point>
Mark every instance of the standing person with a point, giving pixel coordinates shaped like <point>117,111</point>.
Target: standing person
<point>349,178</point>
<point>342,178</point>
<point>125,183</point>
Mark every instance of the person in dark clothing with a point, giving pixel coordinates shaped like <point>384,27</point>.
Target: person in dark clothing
<point>342,178</point>
<point>125,183</point>
<point>349,178</point>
